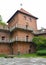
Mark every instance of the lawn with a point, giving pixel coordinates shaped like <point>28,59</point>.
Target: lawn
<point>29,55</point>
<point>34,55</point>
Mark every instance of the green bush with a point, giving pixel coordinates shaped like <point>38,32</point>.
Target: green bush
<point>40,42</point>
<point>41,52</point>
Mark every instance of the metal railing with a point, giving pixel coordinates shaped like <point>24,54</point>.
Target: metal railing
<point>5,40</point>
<point>39,32</point>
<point>16,26</point>
<point>4,28</point>
<point>22,39</point>
<point>21,27</point>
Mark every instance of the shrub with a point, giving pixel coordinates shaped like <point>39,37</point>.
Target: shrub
<point>2,23</point>
<point>40,42</point>
<point>41,52</point>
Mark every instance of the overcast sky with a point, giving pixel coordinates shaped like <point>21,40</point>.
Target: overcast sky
<point>35,7</point>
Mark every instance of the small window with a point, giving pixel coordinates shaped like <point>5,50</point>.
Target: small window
<point>3,37</point>
<point>25,17</point>
<point>27,38</point>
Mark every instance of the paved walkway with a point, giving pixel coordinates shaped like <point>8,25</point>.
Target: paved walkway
<point>22,61</point>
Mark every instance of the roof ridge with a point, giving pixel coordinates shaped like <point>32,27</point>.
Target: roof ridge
<point>24,11</point>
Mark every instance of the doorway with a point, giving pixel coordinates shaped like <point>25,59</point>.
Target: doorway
<point>29,49</point>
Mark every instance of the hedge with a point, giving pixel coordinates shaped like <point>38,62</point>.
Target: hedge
<point>41,52</point>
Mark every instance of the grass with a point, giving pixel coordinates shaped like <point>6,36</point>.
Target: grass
<point>27,55</point>
<point>2,55</point>
<point>34,55</point>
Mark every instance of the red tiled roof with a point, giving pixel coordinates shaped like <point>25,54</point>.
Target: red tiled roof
<point>24,12</point>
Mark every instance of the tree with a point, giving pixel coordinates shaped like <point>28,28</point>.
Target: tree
<point>1,21</point>
<point>40,42</point>
<point>0,18</point>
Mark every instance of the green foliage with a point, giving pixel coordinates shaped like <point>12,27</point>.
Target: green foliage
<point>41,52</point>
<point>26,55</point>
<point>40,42</point>
<point>0,18</point>
<point>2,55</point>
<point>2,23</point>
<point>23,55</point>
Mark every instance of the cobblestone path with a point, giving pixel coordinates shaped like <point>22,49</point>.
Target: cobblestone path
<point>22,61</point>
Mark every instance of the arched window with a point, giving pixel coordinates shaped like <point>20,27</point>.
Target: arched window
<point>25,17</point>
<point>27,38</point>
<point>3,37</point>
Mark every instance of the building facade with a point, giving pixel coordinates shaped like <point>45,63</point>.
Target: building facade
<point>16,37</point>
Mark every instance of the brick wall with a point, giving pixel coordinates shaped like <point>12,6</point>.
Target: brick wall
<point>22,47</point>
<point>31,23</point>
<point>13,21</point>
<point>4,48</point>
